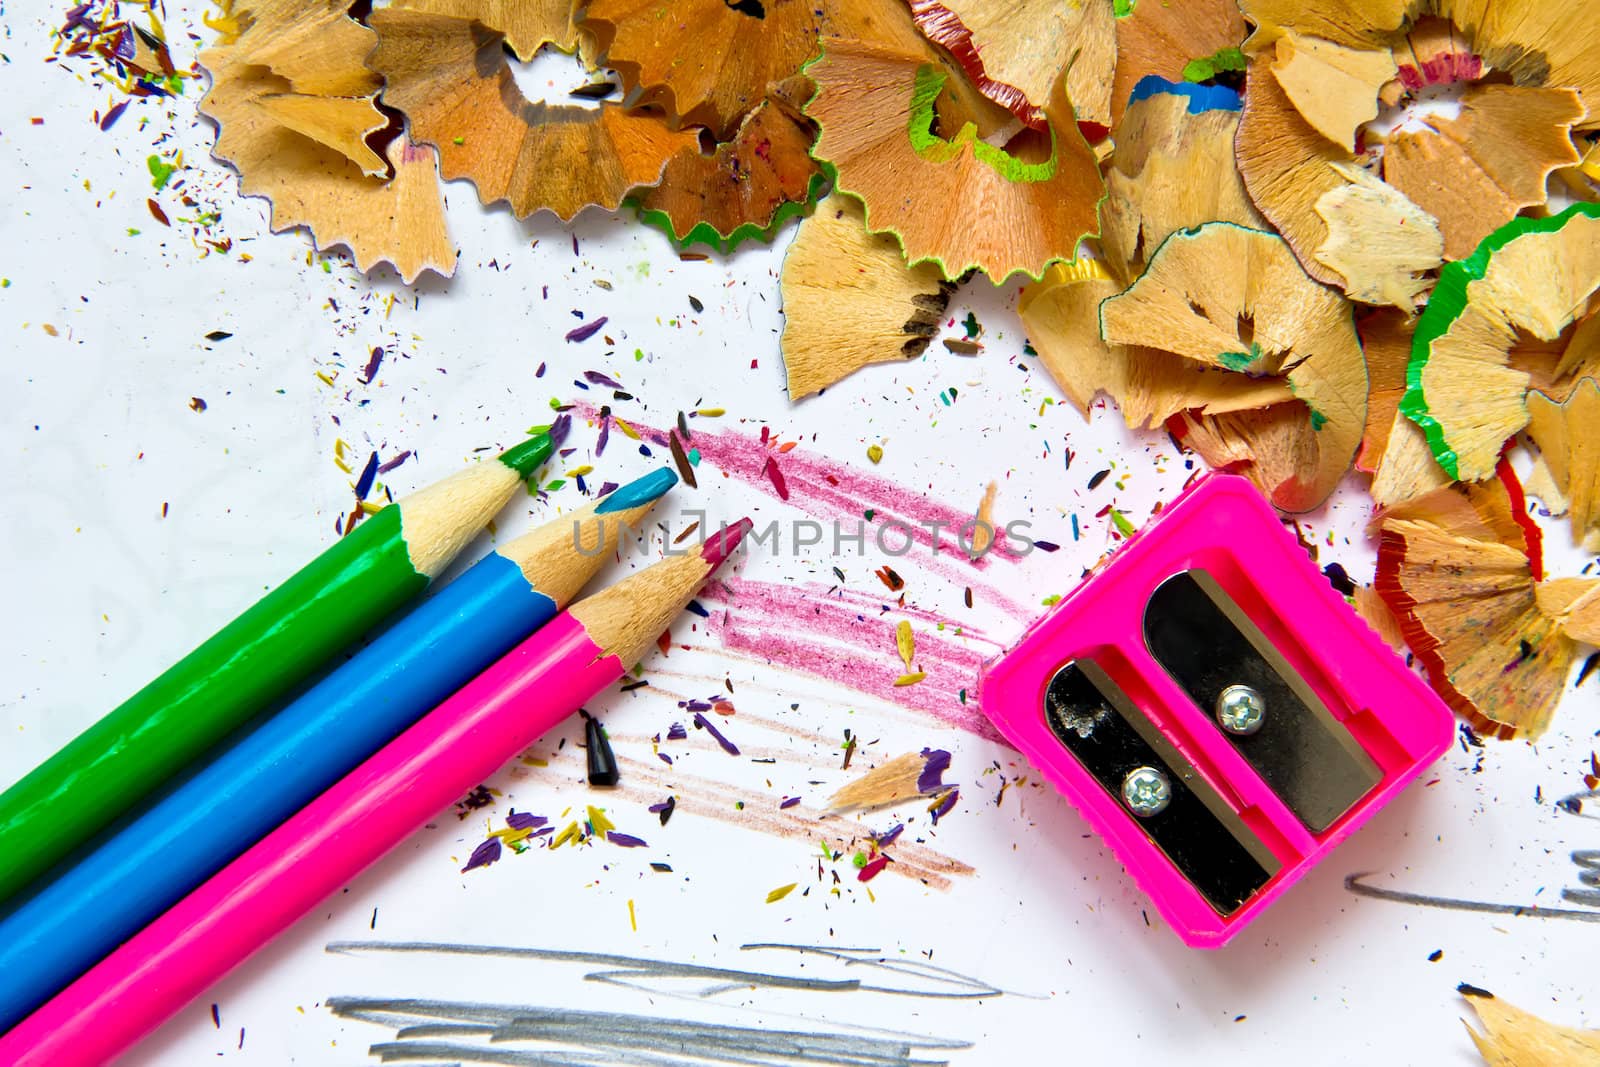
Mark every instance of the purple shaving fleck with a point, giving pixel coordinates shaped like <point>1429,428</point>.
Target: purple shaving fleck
<point>676,732</point>
<point>369,474</point>
<point>559,429</point>
<point>596,378</point>
<point>703,723</point>
<point>625,840</point>
<point>664,758</point>
<point>77,18</point>
<point>483,855</point>
<point>587,330</point>
<point>931,778</point>
<point>1047,546</point>
<point>605,435</point>
<point>945,805</point>
<point>372,365</point>
<point>889,838</point>
<point>541,832</point>
<point>788,802</point>
<point>521,820</point>
<point>694,705</point>
<point>607,488</point>
<point>389,465</point>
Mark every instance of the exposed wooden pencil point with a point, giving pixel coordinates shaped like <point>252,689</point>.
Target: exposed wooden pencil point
<point>1512,1037</point>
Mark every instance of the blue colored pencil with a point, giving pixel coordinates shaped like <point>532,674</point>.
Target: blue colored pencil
<point>286,762</point>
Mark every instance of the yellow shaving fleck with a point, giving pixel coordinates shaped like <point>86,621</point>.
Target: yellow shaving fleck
<point>911,679</point>
<point>711,413</point>
<point>572,833</point>
<point>905,642</point>
<point>625,428</point>
<point>1078,270</point>
<point>633,920</point>
<point>599,823</point>
<point>781,892</point>
<point>579,472</point>
<point>875,453</point>
<point>510,836</point>
<point>983,528</point>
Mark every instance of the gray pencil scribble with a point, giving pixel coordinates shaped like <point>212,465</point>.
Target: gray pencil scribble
<point>634,972</point>
<point>584,1038</point>
<point>1586,860</point>
<point>463,1032</point>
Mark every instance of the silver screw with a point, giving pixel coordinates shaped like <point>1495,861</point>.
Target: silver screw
<point>1146,791</point>
<point>1241,710</point>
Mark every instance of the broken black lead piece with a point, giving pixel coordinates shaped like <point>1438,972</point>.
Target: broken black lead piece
<point>602,761</point>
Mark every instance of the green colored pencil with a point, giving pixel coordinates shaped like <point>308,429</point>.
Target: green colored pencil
<point>249,664</point>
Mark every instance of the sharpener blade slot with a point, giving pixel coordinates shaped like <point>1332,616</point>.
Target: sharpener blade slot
<point>1205,641</point>
<point>1205,839</point>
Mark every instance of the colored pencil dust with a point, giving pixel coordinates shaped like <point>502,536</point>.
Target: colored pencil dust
<point>134,875</point>
<point>257,658</point>
<point>321,849</point>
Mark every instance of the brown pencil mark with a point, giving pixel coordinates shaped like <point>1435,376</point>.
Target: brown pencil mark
<point>705,798</point>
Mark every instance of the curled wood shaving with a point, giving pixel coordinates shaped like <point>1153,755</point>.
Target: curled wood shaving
<point>294,108</point>
<point>449,76</point>
<point>953,199</point>
<point>1476,171</point>
<point>1333,86</point>
<point>849,299</point>
<point>1568,436</point>
<point>1263,317</point>
<point>1172,169</point>
<point>1061,314</point>
<point>1381,243</point>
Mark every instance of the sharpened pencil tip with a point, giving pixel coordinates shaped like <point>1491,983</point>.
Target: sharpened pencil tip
<point>526,457</point>
<point>640,491</point>
<point>720,546</point>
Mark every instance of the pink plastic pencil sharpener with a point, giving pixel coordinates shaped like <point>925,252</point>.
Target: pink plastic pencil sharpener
<point>1215,709</point>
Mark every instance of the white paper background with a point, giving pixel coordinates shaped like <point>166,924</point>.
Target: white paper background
<point>102,592</point>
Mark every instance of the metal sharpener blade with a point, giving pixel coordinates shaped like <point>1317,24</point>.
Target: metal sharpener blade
<point>1207,643</point>
<point>1205,839</point>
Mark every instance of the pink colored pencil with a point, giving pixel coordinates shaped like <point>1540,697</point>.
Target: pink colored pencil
<point>328,843</point>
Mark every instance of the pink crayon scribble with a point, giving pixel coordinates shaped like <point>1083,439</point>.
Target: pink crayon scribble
<point>846,637</point>
<point>827,489</point>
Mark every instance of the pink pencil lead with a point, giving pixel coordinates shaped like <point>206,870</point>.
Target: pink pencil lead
<point>721,545</point>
